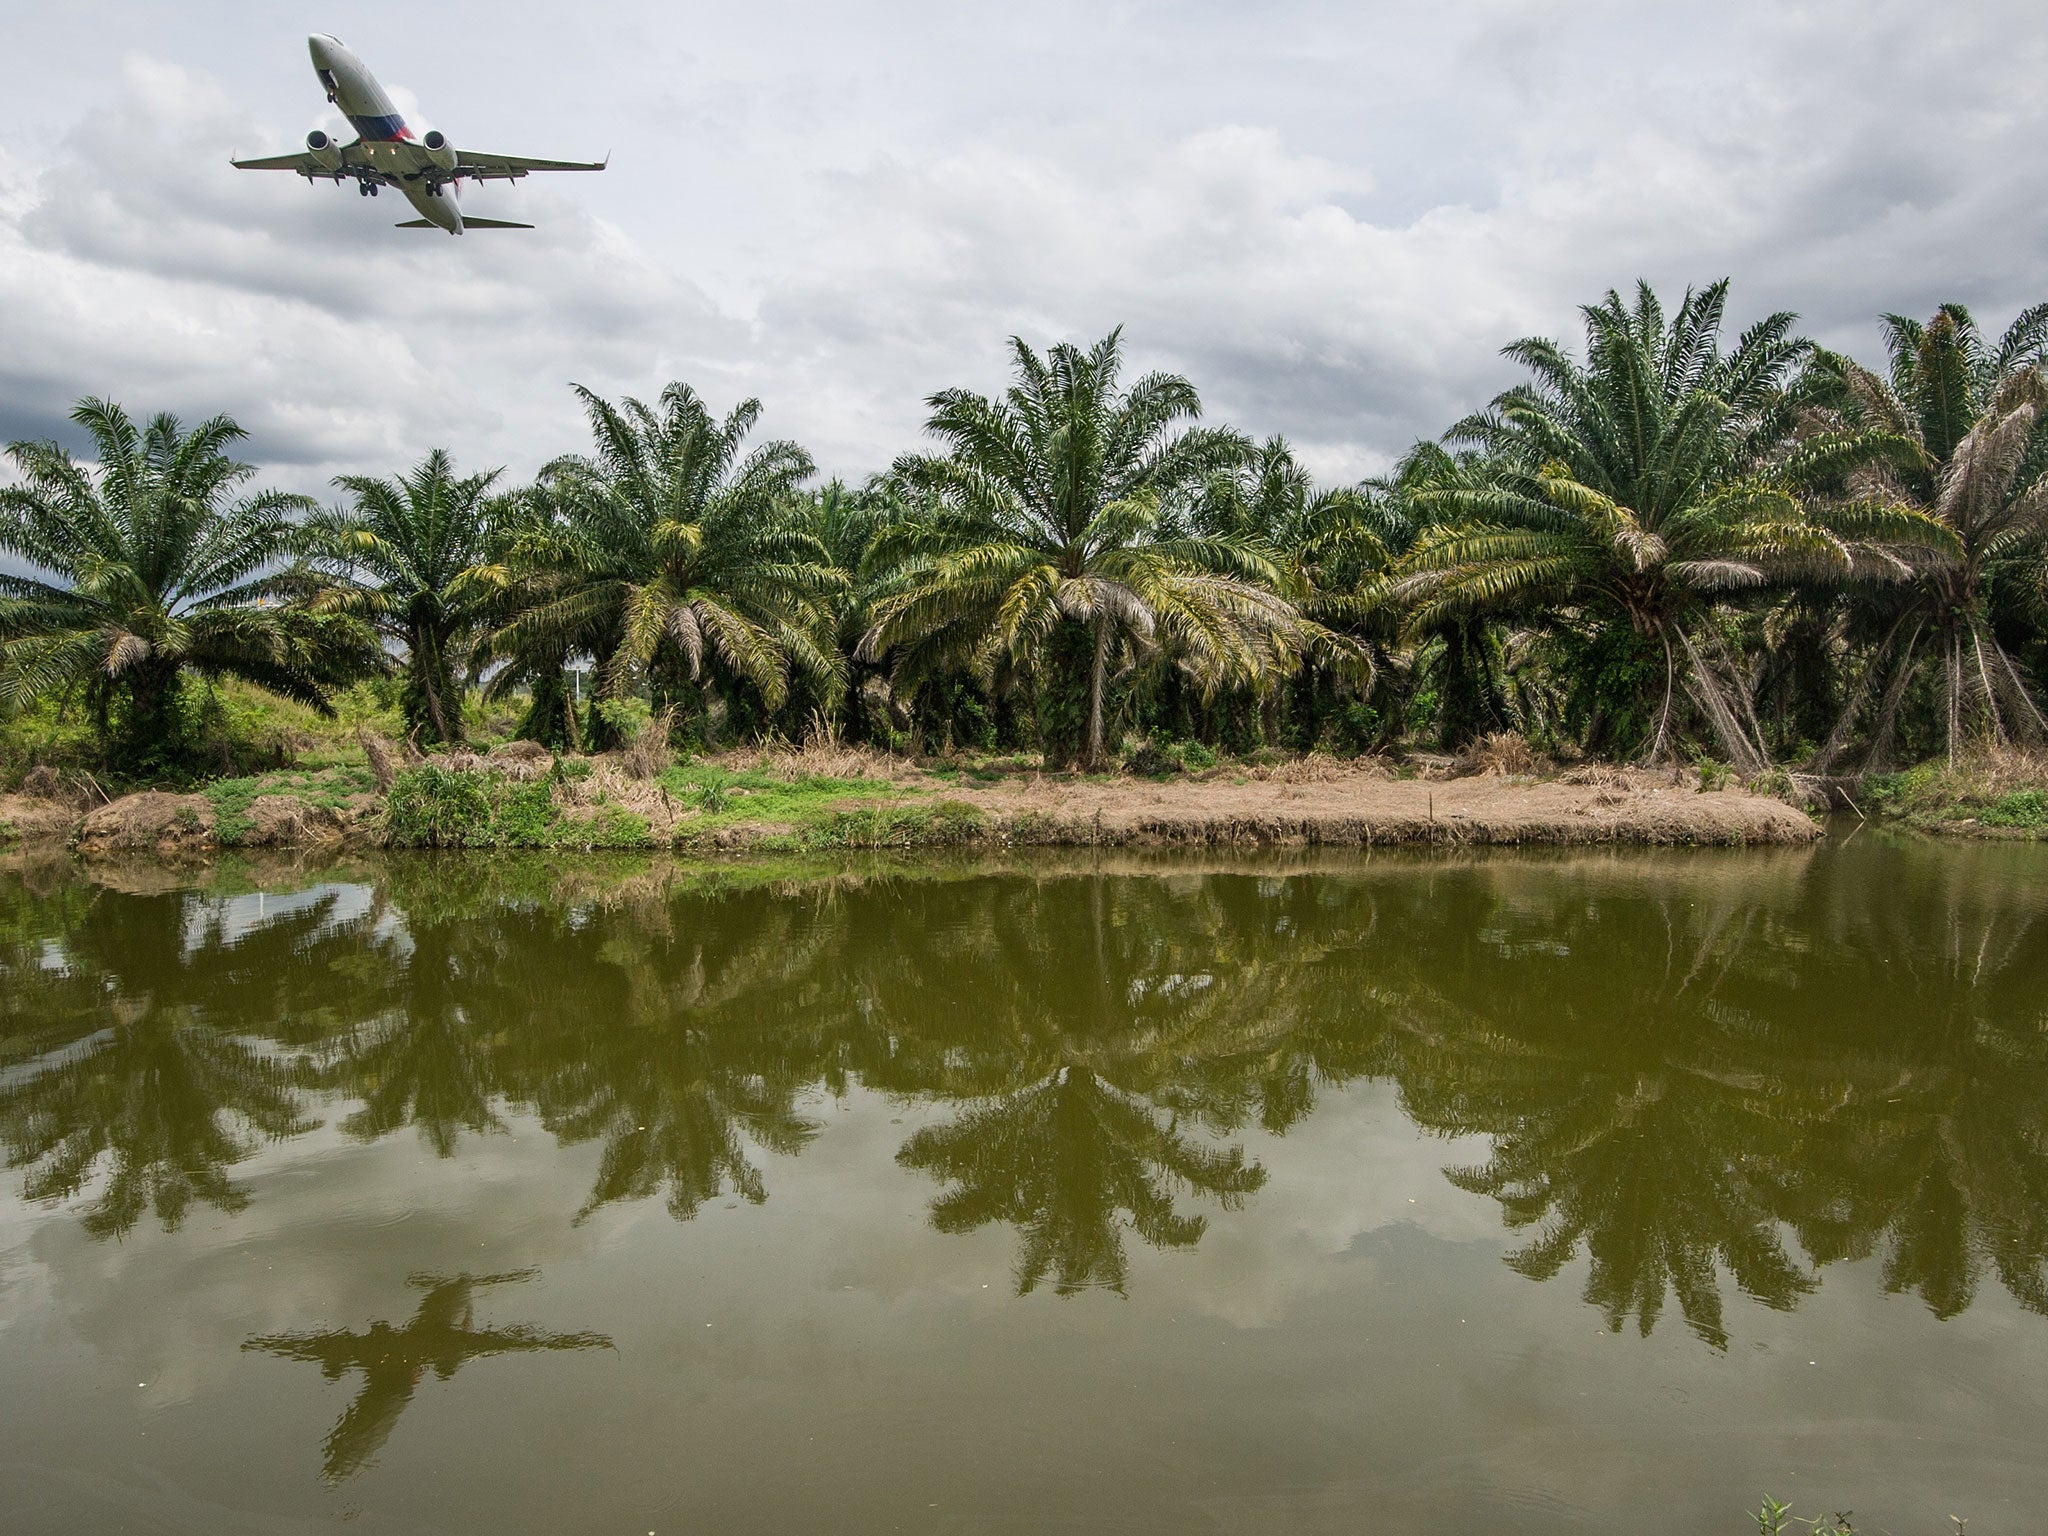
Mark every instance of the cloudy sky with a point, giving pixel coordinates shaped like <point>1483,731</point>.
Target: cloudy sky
<point>1330,215</point>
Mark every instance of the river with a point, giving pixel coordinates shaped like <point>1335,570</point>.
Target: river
<point>1511,1192</point>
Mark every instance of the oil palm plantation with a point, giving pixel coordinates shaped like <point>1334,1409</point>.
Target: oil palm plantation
<point>412,557</point>
<point>1039,539</point>
<point>541,669</point>
<point>1330,546</point>
<point>1639,491</point>
<point>681,558</point>
<point>147,567</point>
<point>1974,417</point>
<point>1456,659</point>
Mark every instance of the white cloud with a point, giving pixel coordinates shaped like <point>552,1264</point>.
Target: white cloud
<point>1331,217</point>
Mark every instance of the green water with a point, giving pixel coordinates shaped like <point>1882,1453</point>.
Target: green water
<point>1503,1193</point>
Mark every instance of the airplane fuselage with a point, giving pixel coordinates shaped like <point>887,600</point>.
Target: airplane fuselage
<point>427,169</point>
<point>382,129</point>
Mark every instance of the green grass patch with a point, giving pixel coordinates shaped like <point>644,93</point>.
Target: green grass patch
<point>233,800</point>
<point>2008,798</point>
<point>941,824</point>
<point>2026,808</point>
<point>430,807</point>
<point>614,827</point>
<point>524,816</point>
<point>712,797</point>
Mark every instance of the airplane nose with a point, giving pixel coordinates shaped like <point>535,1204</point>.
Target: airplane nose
<point>322,47</point>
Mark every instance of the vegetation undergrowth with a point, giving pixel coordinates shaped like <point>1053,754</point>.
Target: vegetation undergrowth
<point>436,807</point>
<point>234,800</point>
<point>716,796</point>
<point>1996,793</point>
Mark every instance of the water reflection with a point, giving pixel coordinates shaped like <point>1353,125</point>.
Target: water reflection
<point>1697,1075</point>
<point>442,1337</point>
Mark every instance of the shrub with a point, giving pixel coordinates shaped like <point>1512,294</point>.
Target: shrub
<point>526,817</point>
<point>623,718</point>
<point>1157,759</point>
<point>614,827</point>
<point>1149,760</point>
<point>949,823</point>
<point>2024,808</point>
<point>430,807</point>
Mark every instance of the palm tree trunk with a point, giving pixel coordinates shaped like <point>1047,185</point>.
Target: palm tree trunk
<point>1097,676</point>
<point>149,731</point>
<point>1661,741</point>
<point>436,683</point>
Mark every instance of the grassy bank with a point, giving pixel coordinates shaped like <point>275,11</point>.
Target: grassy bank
<point>283,776</point>
<point>831,799</point>
<point>1994,794</point>
<point>695,806</point>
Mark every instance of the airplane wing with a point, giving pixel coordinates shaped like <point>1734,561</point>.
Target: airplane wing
<point>467,223</point>
<point>302,162</point>
<point>395,162</point>
<point>510,167</point>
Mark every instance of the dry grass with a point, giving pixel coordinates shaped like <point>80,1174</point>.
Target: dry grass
<point>814,759</point>
<point>1596,776</point>
<point>1996,771</point>
<point>153,819</point>
<point>377,752</point>
<point>1319,768</point>
<point>520,761</point>
<point>1506,753</point>
<point>74,790</point>
<point>1995,791</point>
<point>648,752</point>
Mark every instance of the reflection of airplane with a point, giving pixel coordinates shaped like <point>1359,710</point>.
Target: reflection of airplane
<point>428,170</point>
<point>441,1338</point>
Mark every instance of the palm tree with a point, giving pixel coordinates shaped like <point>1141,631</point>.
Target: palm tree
<point>1042,541</point>
<point>1638,491</point>
<point>680,559</point>
<point>1973,418</point>
<point>1329,545</point>
<point>542,667</point>
<point>149,572</point>
<point>410,556</point>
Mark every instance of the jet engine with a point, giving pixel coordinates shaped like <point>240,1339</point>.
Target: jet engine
<point>438,149</point>
<point>325,152</point>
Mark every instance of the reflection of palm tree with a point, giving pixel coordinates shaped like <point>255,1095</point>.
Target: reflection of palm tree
<point>425,1062</point>
<point>163,1082</point>
<point>153,1096</point>
<point>690,1036</point>
<point>1639,1109</point>
<point>1089,1018</point>
<point>1629,1171</point>
<point>442,1337</point>
<point>1060,1160</point>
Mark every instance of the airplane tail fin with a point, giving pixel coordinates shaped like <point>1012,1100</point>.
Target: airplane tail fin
<point>467,223</point>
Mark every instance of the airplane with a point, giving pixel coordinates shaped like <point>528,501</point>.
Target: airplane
<point>428,170</point>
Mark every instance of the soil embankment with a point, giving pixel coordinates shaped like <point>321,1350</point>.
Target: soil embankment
<point>885,803</point>
<point>1367,809</point>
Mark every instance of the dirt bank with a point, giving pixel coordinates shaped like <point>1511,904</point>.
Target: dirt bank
<point>766,804</point>
<point>1361,807</point>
